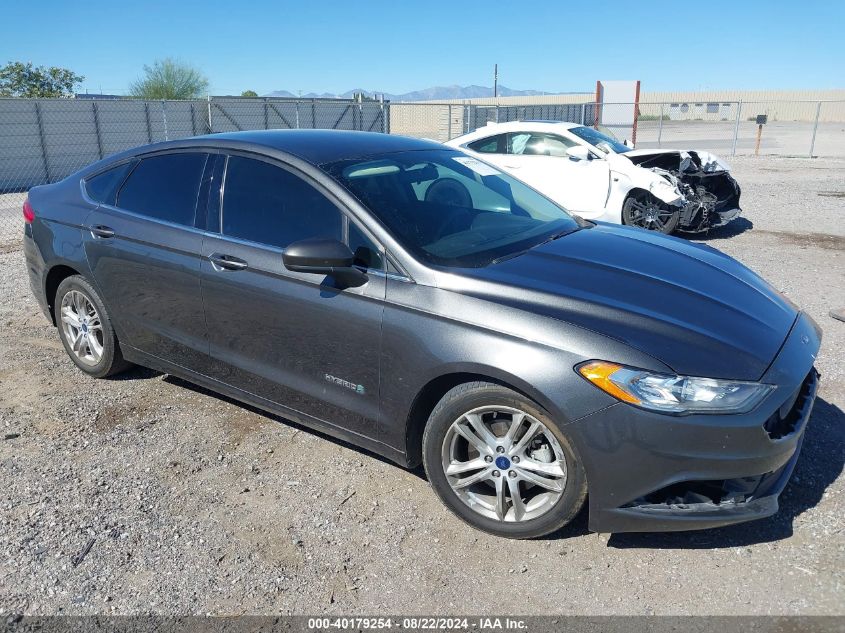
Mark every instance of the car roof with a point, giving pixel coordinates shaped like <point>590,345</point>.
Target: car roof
<point>531,125</point>
<point>313,146</point>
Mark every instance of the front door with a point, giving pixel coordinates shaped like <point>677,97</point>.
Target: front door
<point>541,161</point>
<point>296,339</point>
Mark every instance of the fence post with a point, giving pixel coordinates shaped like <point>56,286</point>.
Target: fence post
<point>193,120</point>
<point>314,113</point>
<point>266,115</point>
<point>164,119</point>
<point>736,126</point>
<point>149,123</point>
<point>210,125</point>
<point>97,128</point>
<point>660,125</point>
<point>43,142</point>
<point>384,127</point>
<point>815,127</point>
<point>449,129</point>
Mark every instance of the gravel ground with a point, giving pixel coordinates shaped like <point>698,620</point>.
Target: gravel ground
<point>196,504</point>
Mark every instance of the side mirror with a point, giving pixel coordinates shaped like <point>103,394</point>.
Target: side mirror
<point>579,152</point>
<point>322,257</point>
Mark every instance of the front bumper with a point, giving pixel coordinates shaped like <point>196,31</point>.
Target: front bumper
<point>653,472</point>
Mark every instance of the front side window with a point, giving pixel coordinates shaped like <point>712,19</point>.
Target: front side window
<point>537,144</point>
<point>267,204</point>
<point>165,187</point>
<point>450,209</point>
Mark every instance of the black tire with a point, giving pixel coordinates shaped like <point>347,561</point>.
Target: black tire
<point>466,397</point>
<point>111,361</point>
<point>665,219</point>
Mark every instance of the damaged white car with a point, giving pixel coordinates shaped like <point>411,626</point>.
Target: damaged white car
<point>592,174</point>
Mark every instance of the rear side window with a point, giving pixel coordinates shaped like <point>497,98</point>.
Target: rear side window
<point>103,187</point>
<point>489,145</point>
<point>267,204</point>
<point>164,187</point>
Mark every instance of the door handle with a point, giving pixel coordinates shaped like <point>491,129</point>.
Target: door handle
<point>512,166</point>
<point>226,262</point>
<point>98,230</point>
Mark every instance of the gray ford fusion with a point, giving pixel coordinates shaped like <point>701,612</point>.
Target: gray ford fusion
<point>421,304</point>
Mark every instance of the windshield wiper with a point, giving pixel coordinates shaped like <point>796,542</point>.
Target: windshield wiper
<point>550,238</point>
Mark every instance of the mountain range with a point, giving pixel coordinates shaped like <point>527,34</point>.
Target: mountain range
<point>428,94</point>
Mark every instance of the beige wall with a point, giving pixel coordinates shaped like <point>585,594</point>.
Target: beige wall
<point>435,120</point>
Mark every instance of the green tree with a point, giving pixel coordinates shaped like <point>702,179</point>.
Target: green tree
<point>249,93</point>
<point>25,80</point>
<point>169,79</point>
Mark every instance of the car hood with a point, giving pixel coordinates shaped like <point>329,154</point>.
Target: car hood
<point>693,308</point>
<point>709,162</point>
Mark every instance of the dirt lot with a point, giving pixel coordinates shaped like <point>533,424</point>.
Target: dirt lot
<point>200,505</point>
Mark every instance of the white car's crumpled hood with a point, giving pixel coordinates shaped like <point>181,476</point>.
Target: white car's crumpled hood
<point>710,162</point>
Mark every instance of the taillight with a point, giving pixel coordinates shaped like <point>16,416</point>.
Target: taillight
<point>28,212</point>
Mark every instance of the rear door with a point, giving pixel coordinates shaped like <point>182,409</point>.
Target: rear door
<point>299,340</point>
<point>145,255</point>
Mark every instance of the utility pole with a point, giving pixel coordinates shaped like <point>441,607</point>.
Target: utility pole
<point>495,80</point>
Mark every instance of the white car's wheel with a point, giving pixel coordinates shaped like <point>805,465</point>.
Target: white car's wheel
<point>647,212</point>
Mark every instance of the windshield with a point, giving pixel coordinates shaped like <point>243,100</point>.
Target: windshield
<point>598,139</point>
<point>450,209</point>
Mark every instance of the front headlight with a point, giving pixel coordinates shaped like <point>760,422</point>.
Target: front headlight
<point>673,394</point>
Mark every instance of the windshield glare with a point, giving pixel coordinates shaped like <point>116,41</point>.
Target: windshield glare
<point>598,139</point>
<point>450,209</point>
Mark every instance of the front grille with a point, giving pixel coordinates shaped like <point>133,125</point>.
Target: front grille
<point>794,409</point>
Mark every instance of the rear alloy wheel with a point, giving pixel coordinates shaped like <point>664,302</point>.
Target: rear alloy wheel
<point>643,210</point>
<point>500,463</point>
<point>85,329</point>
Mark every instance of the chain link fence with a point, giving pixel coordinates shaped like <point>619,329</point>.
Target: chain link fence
<point>44,140</point>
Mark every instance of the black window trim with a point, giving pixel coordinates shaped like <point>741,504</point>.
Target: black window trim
<point>402,276</point>
<point>346,216</point>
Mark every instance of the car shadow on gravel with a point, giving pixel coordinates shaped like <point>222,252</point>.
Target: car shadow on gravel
<point>731,229</point>
<point>184,384</point>
<point>820,464</point>
<point>135,373</point>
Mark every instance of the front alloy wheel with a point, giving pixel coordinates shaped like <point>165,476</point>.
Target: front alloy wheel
<point>500,463</point>
<point>504,464</point>
<point>643,210</point>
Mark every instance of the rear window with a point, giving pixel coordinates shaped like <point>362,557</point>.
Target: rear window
<point>103,187</point>
<point>165,187</point>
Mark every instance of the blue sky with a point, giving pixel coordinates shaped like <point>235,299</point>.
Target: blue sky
<point>397,46</point>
